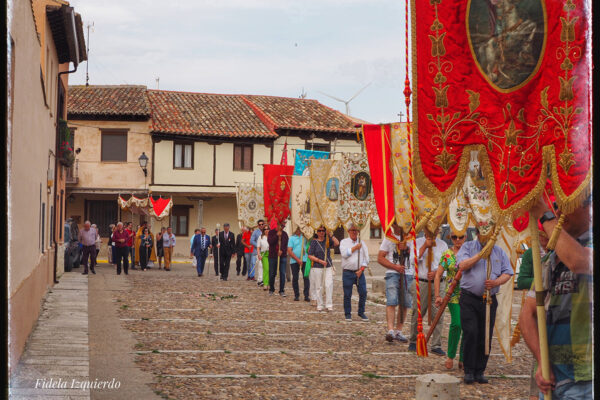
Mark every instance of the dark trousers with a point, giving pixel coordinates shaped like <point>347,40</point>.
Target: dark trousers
<point>88,251</point>
<point>273,273</point>
<point>472,320</point>
<point>238,263</point>
<point>200,261</point>
<point>144,253</point>
<point>122,254</point>
<point>349,279</point>
<point>217,263</point>
<point>132,255</point>
<point>225,260</point>
<point>295,272</point>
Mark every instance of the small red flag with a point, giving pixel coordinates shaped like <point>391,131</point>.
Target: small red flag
<point>284,155</point>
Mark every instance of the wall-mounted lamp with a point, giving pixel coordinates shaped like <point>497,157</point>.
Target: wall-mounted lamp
<point>143,160</point>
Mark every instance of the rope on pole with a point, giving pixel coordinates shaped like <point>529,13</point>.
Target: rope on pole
<point>421,343</point>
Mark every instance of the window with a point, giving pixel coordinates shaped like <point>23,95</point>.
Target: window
<point>102,213</point>
<point>242,157</point>
<point>114,146</point>
<point>375,232</point>
<point>183,155</point>
<point>317,146</point>
<point>180,220</point>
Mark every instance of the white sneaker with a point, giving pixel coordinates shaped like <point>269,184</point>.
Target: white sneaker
<point>319,309</point>
<point>400,337</point>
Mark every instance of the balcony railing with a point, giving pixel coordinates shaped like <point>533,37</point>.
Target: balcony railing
<point>73,174</point>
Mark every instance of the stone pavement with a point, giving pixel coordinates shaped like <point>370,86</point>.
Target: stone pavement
<point>55,364</point>
<point>178,336</point>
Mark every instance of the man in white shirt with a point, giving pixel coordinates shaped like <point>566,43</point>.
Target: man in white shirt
<point>394,255</point>
<point>429,254</point>
<point>168,245</point>
<point>355,258</point>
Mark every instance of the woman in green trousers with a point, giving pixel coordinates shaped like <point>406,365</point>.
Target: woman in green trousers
<point>449,266</point>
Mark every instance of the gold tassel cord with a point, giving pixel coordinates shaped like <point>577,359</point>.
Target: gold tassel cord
<point>556,233</point>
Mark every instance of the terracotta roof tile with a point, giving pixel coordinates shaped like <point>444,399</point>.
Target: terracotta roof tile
<point>205,115</point>
<point>302,114</point>
<point>107,101</point>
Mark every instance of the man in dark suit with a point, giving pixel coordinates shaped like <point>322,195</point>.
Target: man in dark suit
<point>200,246</point>
<point>226,250</point>
<point>215,251</point>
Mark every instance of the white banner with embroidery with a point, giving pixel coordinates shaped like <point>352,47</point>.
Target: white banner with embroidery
<point>459,213</point>
<point>324,193</point>
<point>250,204</point>
<point>356,194</point>
<point>478,196</point>
<point>300,209</point>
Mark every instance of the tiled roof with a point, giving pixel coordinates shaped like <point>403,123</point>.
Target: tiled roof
<point>204,114</point>
<point>302,114</point>
<point>88,102</point>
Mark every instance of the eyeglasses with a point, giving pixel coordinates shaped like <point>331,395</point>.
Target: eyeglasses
<point>320,230</point>
<point>454,237</point>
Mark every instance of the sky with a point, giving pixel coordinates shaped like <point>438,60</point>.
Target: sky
<point>267,47</point>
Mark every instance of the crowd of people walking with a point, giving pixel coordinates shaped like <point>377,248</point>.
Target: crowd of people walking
<point>262,255</point>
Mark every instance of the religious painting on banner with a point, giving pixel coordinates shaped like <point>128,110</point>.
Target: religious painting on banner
<point>459,213</point>
<point>357,205</point>
<point>324,205</point>
<point>304,158</point>
<point>512,80</point>
<point>300,209</point>
<point>434,212</point>
<point>250,204</point>
<point>277,182</point>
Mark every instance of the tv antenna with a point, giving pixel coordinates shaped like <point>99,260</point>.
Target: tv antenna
<point>87,76</point>
<point>346,102</point>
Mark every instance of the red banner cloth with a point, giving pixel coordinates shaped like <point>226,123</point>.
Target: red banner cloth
<point>277,186</point>
<point>512,80</point>
<point>379,152</point>
<point>159,205</point>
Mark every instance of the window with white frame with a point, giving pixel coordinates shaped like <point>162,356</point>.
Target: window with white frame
<point>183,155</point>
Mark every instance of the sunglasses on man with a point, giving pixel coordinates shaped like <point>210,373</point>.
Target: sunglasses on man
<point>320,230</point>
<point>454,237</point>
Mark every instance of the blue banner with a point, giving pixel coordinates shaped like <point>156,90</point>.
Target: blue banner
<point>303,158</point>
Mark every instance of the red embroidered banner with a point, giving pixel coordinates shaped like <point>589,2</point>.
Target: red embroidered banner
<point>277,186</point>
<point>511,79</point>
<point>378,145</point>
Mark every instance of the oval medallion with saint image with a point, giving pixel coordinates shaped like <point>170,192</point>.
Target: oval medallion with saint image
<point>507,39</point>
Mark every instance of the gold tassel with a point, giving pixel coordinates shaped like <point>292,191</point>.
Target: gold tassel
<point>487,249</point>
<point>555,233</point>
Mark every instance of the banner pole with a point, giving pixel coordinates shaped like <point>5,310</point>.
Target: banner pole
<point>539,300</point>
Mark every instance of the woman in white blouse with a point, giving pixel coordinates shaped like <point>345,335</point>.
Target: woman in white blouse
<point>262,259</point>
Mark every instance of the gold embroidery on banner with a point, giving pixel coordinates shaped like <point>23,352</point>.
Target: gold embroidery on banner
<point>511,132</point>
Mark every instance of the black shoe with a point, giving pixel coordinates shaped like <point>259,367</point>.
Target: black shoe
<point>84,273</point>
<point>238,273</point>
<point>133,268</point>
<point>199,275</point>
<point>412,347</point>
<point>306,299</point>
<point>93,272</point>
<point>479,378</point>
<point>297,298</point>
<point>469,379</point>
<point>438,351</point>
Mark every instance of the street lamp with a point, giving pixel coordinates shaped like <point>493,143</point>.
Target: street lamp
<point>143,160</point>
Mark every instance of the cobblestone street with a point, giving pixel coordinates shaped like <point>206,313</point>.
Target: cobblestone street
<point>205,338</point>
